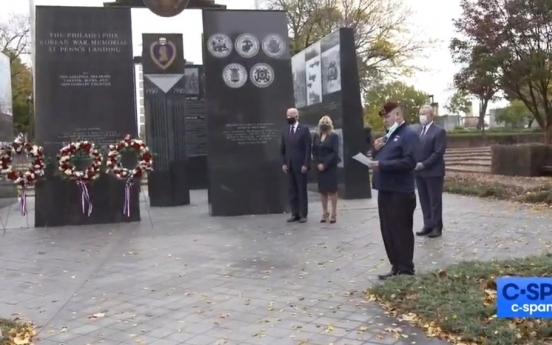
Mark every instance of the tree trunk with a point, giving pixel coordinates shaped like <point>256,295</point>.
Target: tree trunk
<point>548,135</point>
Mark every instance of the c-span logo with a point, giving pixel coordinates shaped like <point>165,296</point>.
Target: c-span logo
<point>234,75</point>
<point>518,297</point>
<point>219,45</point>
<point>247,45</point>
<point>262,75</point>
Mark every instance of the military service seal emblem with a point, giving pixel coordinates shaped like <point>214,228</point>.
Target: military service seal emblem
<point>274,46</point>
<point>234,75</point>
<point>219,45</point>
<point>262,75</point>
<point>247,45</point>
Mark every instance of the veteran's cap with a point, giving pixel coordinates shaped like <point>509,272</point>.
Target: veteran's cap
<point>388,107</point>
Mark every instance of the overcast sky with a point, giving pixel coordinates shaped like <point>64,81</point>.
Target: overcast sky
<point>434,17</point>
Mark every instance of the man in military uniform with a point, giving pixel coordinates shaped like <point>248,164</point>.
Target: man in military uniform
<point>393,178</point>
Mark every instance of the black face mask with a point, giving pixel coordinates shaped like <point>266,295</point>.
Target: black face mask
<point>324,127</point>
<point>291,120</point>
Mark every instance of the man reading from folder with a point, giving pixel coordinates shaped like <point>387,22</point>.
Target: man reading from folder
<point>393,178</point>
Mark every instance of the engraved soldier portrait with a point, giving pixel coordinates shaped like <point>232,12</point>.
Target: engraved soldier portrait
<point>166,8</point>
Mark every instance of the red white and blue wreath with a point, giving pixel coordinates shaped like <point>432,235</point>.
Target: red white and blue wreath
<point>26,178</point>
<point>81,177</point>
<point>114,165</point>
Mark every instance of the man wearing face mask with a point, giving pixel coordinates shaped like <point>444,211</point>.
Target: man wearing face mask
<point>295,149</point>
<point>393,178</point>
<point>430,173</point>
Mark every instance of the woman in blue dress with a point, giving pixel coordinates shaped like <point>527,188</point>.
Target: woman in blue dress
<point>325,151</point>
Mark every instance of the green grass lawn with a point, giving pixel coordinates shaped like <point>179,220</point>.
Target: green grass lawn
<point>458,303</point>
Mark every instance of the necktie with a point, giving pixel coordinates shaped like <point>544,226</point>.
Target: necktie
<point>292,129</point>
<point>423,131</point>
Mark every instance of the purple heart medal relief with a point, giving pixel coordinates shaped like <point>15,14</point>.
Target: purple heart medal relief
<point>115,166</point>
<point>524,297</point>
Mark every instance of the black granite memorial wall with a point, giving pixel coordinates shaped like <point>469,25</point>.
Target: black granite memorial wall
<point>84,91</point>
<point>325,82</point>
<point>165,111</point>
<point>196,130</point>
<point>248,87</point>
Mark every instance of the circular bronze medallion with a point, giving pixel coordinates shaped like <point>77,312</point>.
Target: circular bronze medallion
<point>166,8</point>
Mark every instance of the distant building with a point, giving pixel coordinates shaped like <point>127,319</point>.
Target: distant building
<point>6,109</point>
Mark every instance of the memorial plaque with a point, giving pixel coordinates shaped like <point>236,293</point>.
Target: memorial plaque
<point>84,91</point>
<point>248,87</point>
<point>196,128</point>
<point>165,111</point>
<point>325,82</point>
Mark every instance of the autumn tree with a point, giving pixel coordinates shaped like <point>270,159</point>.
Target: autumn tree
<point>14,36</point>
<point>411,100</point>
<point>386,41</point>
<point>479,73</point>
<point>517,33</point>
<point>514,115</point>
<point>459,102</point>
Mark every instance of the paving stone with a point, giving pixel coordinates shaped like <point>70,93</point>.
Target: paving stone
<point>194,279</point>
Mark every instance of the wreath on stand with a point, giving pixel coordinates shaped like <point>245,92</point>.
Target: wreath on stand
<point>26,178</point>
<point>84,177</point>
<point>114,165</point>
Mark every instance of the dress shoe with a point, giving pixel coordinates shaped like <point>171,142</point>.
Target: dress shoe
<point>435,233</point>
<point>293,219</point>
<point>303,220</point>
<point>405,273</point>
<point>387,275</point>
<point>424,232</point>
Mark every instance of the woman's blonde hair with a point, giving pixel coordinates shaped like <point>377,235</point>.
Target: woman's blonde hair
<point>326,120</point>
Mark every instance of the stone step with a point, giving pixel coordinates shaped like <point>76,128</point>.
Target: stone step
<point>460,159</point>
<point>482,164</point>
<point>469,149</point>
<point>469,155</point>
<point>468,169</point>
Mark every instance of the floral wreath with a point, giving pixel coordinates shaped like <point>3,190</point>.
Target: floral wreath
<point>145,159</point>
<point>28,177</point>
<point>91,173</point>
<point>22,179</point>
<point>69,171</point>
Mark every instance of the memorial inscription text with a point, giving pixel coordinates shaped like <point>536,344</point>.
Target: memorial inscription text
<point>82,42</point>
<point>251,133</point>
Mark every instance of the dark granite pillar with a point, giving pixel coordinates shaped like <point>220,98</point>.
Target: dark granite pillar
<point>84,91</point>
<point>248,88</point>
<point>325,82</point>
<point>196,130</point>
<point>165,110</point>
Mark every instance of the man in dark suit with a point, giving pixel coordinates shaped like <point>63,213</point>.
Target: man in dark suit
<point>296,158</point>
<point>430,172</point>
<point>393,178</point>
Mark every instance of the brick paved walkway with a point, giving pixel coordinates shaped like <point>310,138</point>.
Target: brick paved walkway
<point>198,280</point>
